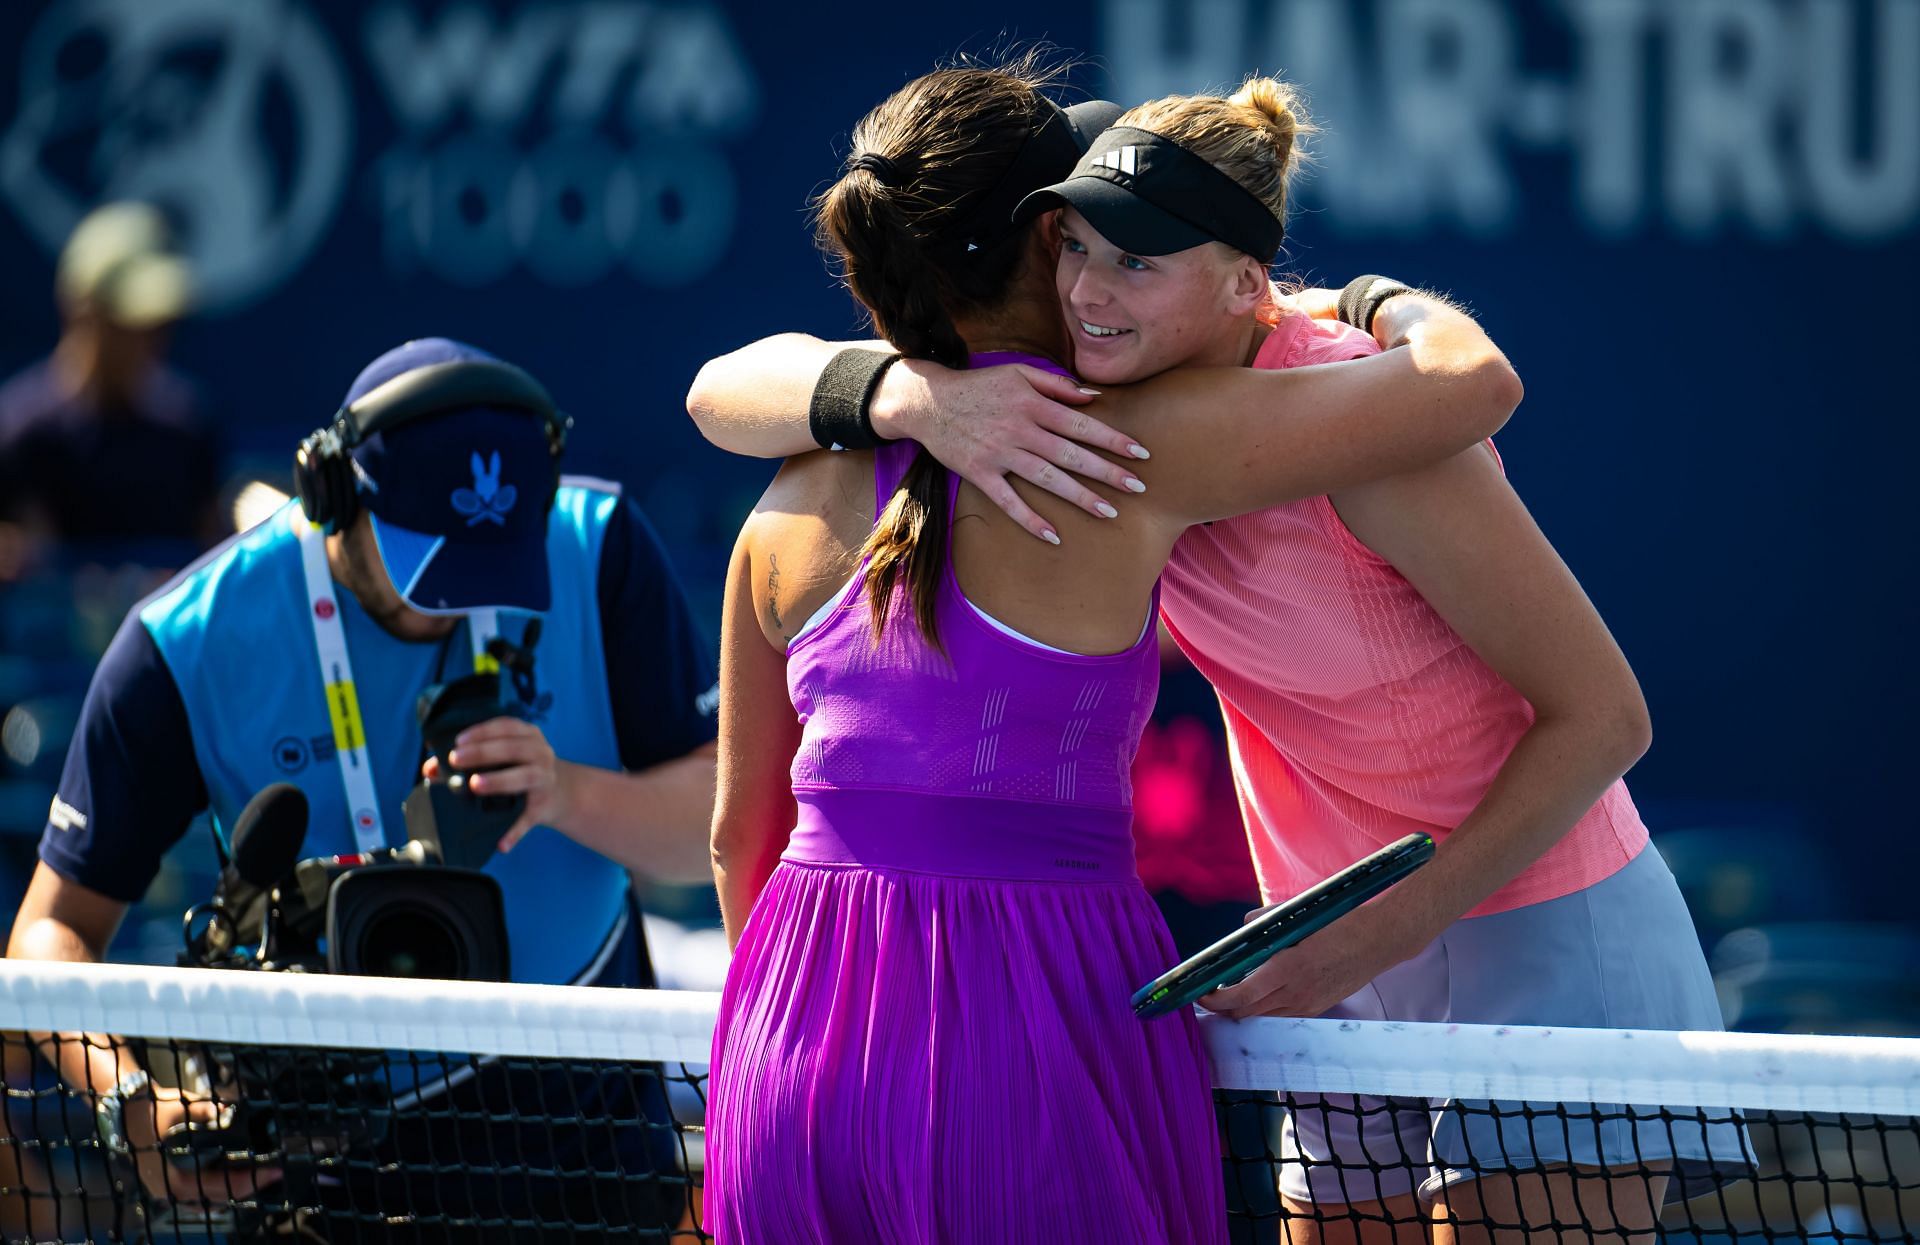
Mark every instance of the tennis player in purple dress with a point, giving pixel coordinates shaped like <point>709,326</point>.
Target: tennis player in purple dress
<point>925,1035</point>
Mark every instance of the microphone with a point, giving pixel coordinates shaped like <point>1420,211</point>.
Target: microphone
<point>266,844</point>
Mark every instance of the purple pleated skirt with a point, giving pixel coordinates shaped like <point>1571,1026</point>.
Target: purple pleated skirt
<point>925,1059</point>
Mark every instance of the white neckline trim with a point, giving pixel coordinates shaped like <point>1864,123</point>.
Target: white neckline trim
<point>834,602</point>
<point>997,625</point>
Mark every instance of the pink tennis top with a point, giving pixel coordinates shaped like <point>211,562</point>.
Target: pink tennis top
<point>1354,713</point>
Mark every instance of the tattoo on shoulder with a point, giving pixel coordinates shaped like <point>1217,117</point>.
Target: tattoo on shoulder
<point>773,597</point>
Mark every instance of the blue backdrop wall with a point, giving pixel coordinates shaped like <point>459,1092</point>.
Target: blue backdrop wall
<point>1694,224</point>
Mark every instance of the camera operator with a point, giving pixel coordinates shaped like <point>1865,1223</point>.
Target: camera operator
<point>292,655</point>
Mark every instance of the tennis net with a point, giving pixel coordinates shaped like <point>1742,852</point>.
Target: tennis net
<point>353,1109</point>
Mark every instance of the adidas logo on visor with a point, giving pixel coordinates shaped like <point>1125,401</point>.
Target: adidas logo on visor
<point>1121,160</point>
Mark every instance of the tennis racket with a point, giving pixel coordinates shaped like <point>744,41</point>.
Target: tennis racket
<point>1247,948</point>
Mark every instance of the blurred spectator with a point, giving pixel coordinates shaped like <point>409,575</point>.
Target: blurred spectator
<point>101,443</point>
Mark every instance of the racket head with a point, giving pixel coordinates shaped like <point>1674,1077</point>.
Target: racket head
<point>1231,958</point>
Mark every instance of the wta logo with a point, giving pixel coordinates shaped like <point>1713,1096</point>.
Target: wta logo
<point>572,139</point>
<point>233,116</point>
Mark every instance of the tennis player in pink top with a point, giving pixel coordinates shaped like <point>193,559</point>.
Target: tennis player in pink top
<point>1408,654</point>
<point>1404,655</point>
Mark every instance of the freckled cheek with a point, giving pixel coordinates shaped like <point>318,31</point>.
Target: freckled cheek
<point>1173,338</point>
<point>1169,326</point>
<point>1186,316</point>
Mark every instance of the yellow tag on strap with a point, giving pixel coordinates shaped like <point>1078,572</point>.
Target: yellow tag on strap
<point>344,708</point>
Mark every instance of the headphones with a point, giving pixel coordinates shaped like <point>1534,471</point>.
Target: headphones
<point>323,465</point>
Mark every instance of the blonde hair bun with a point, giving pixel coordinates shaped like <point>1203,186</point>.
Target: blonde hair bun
<point>1250,136</point>
<point>1279,104</point>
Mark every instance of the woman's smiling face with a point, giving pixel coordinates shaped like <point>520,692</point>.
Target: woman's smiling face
<point>1135,316</point>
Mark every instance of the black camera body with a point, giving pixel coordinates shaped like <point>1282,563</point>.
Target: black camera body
<point>423,910</point>
<point>395,912</point>
<point>391,913</point>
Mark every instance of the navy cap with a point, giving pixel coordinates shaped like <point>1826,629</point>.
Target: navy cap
<point>1089,119</point>
<point>458,499</point>
<point>1058,138</point>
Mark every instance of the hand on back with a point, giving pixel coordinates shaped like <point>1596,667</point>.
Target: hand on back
<point>989,424</point>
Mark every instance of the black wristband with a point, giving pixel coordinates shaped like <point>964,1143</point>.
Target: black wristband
<point>1360,300</point>
<point>837,414</point>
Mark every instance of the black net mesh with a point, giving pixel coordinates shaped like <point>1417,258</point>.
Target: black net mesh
<point>320,1142</point>
<point>307,1143</point>
<point>1500,1171</point>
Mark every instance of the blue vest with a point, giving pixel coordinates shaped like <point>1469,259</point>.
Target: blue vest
<point>235,635</point>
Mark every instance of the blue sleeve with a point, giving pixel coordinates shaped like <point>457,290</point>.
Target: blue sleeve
<point>131,785</point>
<point>660,676</point>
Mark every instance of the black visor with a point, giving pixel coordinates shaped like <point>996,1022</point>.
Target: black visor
<point>1060,137</point>
<point>1148,195</point>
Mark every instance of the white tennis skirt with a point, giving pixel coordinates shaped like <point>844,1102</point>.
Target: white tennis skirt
<point>1621,954</point>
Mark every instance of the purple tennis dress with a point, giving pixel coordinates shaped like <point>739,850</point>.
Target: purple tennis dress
<point>924,1037</point>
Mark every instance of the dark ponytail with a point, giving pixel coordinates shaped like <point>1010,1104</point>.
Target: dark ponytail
<point>917,160</point>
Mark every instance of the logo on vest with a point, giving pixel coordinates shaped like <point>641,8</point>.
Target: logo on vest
<point>290,754</point>
<point>323,608</point>
<point>488,500</point>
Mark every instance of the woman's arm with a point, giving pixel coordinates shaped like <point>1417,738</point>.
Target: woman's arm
<point>984,425</point>
<point>1298,433</point>
<point>754,401</point>
<point>753,812</point>
<point>1462,537</point>
<point>1235,440</point>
